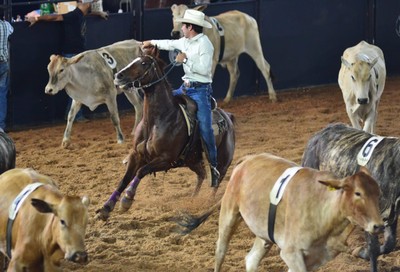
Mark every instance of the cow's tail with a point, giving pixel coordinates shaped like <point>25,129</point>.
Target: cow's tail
<point>188,222</point>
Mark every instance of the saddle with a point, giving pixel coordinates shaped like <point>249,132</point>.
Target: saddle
<point>189,109</point>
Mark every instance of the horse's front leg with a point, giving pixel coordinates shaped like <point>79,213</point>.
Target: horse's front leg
<point>133,164</point>
<point>157,164</point>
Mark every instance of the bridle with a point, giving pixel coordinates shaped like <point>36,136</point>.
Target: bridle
<point>153,66</point>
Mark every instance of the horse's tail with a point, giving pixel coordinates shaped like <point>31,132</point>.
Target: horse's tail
<point>232,117</point>
<point>228,116</point>
<point>188,222</point>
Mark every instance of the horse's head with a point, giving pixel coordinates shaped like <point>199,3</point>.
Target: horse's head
<point>141,71</point>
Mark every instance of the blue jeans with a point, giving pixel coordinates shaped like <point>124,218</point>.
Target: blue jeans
<point>201,95</point>
<point>4,79</point>
<point>79,115</point>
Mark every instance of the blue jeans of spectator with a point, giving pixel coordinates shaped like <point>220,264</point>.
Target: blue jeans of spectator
<point>4,79</point>
<point>79,115</point>
<point>201,95</point>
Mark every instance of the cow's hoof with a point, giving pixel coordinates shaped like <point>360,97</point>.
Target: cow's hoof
<point>126,203</point>
<point>102,214</point>
<point>65,143</point>
<point>273,98</point>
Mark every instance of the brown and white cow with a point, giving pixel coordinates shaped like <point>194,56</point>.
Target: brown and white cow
<point>48,227</point>
<point>362,78</point>
<point>88,78</point>
<point>312,221</point>
<point>241,35</point>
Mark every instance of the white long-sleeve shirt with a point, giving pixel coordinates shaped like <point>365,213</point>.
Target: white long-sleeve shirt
<point>199,52</point>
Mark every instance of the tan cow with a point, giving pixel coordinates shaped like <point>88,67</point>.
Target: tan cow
<point>240,36</point>
<point>88,78</point>
<point>362,78</point>
<point>313,211</point>
<point>48,226</point>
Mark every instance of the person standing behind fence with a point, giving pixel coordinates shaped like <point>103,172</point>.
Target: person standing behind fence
<point>74,27</point>
<point>5,31</point>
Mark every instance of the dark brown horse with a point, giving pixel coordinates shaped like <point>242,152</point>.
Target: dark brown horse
<point>161,139</point>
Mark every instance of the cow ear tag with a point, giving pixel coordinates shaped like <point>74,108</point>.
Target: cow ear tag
<point>331,188</point>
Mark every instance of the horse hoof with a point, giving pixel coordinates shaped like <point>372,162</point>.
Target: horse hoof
<point>102,214</point>
<point>126,203</point>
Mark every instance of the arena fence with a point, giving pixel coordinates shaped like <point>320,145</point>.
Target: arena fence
<point>302,40</point>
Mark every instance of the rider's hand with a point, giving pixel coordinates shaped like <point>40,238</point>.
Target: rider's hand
<point>180,57</point>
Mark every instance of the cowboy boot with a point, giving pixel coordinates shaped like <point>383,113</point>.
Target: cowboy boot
<point>214,176</point>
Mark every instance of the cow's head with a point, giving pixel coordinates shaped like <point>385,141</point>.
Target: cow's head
<point>177,12</point>
<point>360,78</point>
<point>59,73</point>
<point>69,226</point>
<point>359,200</point>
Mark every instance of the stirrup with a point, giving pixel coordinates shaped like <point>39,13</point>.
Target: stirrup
<point>213,102</point>
<point>214,177</point>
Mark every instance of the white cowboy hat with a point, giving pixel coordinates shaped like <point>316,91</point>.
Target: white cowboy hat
<point>195,17</point>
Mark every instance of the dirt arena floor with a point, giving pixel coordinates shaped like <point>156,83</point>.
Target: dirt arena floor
<point>144,239</point>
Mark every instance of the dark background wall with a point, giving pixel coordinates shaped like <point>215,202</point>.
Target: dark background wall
<point>302,40</point>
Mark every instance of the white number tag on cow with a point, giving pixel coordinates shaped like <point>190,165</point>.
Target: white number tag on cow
<point>280,185</point>
<point>13,210</point>
<point>366,151</point>
<point>108,58</point>
<point>219,27</point>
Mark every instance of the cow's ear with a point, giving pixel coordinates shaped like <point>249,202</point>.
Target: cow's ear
<point>52,57</point>
<point>365,170</point>
<point>200,8</point>
<point>332,184</point>
<point>345,62</point>
<point>174,6</point>
<point>76,59</point>
<point>41,206</point>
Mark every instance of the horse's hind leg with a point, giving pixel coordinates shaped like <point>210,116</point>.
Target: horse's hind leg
<point>257,252</point>
<point>200,170</point>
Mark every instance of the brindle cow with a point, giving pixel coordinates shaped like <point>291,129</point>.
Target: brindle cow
<point>47,227</point>
<point>88,78</point>
<point>340,148</point>
<point>240,36</point>
<point>313,212</point>
<point>362,79</point>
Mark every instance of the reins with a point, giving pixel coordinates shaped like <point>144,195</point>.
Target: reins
<point>172,64</point>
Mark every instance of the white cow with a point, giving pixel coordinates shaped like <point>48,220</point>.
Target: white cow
<point>240,36</point>
<point>88,78</point>
<point>362,78</point>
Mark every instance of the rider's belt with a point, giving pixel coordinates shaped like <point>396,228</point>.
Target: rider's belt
<point>194,84</point>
